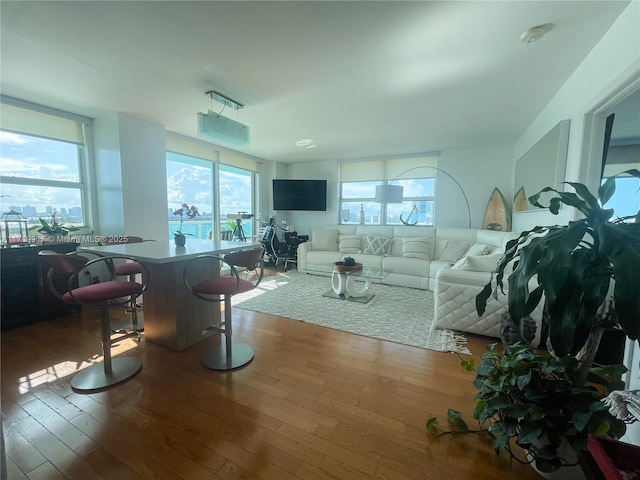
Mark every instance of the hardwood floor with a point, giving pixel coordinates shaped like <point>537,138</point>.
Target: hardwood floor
<point>314,403</point>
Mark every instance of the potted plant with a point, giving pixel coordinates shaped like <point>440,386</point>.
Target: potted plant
<point>52,227</point>
<point>532,400</point>
<point>586,272</point>
<point>586,275</point>
<point>190,212</point>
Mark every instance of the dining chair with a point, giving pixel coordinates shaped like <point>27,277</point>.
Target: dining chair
<point>127,269</point>
<point>102,295</point>
<point>234,273</point>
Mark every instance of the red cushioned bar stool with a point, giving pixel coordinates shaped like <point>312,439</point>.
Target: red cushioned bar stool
<point>130,270</point>
<point>236,272</point>
<point>103,295</point>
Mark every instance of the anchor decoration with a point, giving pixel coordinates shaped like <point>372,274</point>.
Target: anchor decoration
<point>406,222</point>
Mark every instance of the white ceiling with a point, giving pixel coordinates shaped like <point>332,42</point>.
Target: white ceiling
<point>362,79</point>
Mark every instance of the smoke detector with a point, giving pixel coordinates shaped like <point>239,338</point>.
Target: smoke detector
<point>534,34</point>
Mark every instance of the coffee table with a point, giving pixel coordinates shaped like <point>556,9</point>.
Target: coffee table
<point>350,285</point>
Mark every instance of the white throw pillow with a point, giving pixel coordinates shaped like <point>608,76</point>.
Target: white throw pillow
<point>478,249</point>
<point>481,263</point>
<point>326,239</point>
<point>350,244</point>
<point>376,245</point>
<point>417,247</point>
<point>454,251</point>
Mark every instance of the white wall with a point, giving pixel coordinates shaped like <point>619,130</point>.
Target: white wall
<point>477,170</point>
<point>131,177</point>
<point>613,61</point>
<point>304,222</point>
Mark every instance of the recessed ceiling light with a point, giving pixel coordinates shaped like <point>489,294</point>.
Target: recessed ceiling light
<point>305,142</point>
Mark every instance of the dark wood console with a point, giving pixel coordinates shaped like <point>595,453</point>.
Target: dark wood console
<point>23,286</point>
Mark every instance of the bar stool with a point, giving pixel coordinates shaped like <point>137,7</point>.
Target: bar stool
<point>245,273</point>
<point>129,270</point>
<point>100,295</point>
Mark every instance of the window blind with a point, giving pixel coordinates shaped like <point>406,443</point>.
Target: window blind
<point>191,149</point>
<point>199,149</point>
<point>32,122</point>
<point>388,169</point>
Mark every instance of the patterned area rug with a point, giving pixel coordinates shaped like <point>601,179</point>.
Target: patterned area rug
<point>401,315</point>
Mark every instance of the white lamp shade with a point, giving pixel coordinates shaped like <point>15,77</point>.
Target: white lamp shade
<point>389,193</point>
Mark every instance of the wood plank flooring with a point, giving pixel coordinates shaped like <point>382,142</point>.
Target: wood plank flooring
<point>314,404</point>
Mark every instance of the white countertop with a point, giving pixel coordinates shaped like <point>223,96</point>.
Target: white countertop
<point>165,251</point>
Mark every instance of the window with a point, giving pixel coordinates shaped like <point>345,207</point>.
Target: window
<point>192,170</point>
<point>42,159</point>
<point>417,205</point>
<point>357,205</point>
<point>358,185</point>
<point>236,197</point>
<point>190,181</point>
<point>626,200</point>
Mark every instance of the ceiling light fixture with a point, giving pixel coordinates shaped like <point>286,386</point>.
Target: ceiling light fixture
<point>305,142</point>
<point>214,127</point>
<point>534,34</point>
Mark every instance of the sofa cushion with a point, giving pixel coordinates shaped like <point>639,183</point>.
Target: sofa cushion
<point>417,247</point>
<point>325,239</point>
<point>374,245</point>
<point>476,250</point>
<point>454,251</point>
<point>350,244</point>
<point>479,263</point>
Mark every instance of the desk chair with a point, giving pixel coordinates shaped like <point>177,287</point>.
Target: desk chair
<point>245,273</point>
<point>276,250</point>
<point>129,270</point>
<point>100,295</point>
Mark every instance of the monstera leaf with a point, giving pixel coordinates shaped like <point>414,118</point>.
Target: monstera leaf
<point>572,268</point>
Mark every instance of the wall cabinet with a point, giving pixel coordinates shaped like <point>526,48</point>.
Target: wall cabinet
<point>25,295</point>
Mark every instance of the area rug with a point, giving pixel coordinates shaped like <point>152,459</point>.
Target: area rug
<point>396,314</point>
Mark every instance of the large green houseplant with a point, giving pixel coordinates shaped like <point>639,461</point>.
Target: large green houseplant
<point>532,400</point>
<point>586,273</point>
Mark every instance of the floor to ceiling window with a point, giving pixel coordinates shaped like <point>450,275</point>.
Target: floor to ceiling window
<point>222,186</point>
<point>236,201</point>
<point>190,182</point>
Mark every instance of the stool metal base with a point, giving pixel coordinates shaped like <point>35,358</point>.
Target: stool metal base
<point>94,377</point>
<point>217,359</point>
<point>129,326</point>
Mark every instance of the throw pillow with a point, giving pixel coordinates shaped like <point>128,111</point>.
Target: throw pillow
<point>415,248</point>
<point>481,263</point>
<point>454,251</point>
<point>349,244</point>
<point>326,239</point>
<point>478,249</point>
<point>376,245</point>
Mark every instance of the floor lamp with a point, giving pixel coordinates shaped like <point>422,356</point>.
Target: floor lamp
<point>388,193</point>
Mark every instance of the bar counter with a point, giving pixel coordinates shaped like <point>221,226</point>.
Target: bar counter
<point>173,317</point>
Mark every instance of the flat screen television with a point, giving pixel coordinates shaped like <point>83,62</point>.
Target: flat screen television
<point>308,195</point>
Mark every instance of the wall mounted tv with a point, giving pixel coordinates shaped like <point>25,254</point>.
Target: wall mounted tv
<point>308,195</point>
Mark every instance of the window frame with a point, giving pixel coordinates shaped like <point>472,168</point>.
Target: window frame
<point>82,185</point>
<point>216,166</point>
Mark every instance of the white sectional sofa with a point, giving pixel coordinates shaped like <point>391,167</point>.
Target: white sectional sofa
<point>454,263</point>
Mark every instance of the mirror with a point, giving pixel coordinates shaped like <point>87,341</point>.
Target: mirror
<point>542,166</point>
